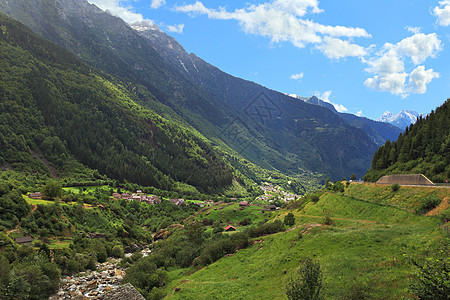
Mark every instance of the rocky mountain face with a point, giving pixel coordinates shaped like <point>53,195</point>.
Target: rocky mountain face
<point>402,120</point>
<point>241,117</point>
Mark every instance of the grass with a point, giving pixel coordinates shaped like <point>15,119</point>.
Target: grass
<point>230,213</point>
<point>61,243</point>
<point>407,197</point>
<point>365,250</point>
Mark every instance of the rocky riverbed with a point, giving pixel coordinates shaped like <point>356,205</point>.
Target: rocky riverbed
<point>88,285</point>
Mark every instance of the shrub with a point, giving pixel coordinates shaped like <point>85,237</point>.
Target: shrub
<point>289,219</point>
<point>117,251</point>
<point>307,283</point>
<point>395,187</point>
<point>315,198</point>
<point>428,203</point>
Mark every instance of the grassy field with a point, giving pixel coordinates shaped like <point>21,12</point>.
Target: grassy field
<point>407,197</point>
<point>364,251</point>
<point>43,202</point>
<point>231,214</point>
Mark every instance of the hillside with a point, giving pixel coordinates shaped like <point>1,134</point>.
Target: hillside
<point>298,139</point>
<point>363,246</point>
<point>57,113</point>
<point>424,148</point>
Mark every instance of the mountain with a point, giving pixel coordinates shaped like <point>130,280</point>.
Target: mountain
<point>315,101</point>
<point>402,120</point>
<point>59,114</point>
<point>424,148</point>
<point>379,132</point>
<point>240,117</point>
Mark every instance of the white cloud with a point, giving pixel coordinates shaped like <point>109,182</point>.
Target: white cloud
<point>281,21</point>
<point>419,47</point>
<point>388,67</point>
<point>175,28</point>
<point>114,8</point>
<point>298,76</point>
<point>414,30</point>
<point>334,48</point>
<point>157,3</point>
<point>325,97</point>
<point>359,113</point>
<point>420,78</point>
<point>442,12</point>
<point>391,82</point>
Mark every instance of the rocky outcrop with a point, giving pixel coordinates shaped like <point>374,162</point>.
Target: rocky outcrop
<point>123,292</point>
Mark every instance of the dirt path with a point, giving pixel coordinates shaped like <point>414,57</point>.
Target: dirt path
<point>18,224</point>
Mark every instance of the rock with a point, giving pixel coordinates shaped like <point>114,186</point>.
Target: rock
<point>92,285</point>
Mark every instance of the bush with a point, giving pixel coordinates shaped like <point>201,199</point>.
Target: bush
<point>266,228</point>
<point>315,198</point>
<point>117,251</point>
<point>428,203</point>
<point>395,187</point>
<point>307,283</point>
<point>289,219</point>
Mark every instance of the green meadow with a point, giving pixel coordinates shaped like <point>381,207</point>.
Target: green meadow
<point>364,250</point>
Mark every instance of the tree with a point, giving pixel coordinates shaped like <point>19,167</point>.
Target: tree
<point>52,190</point>
<point>307,283</point>
<point>289,219</point>
<point>353,177</point>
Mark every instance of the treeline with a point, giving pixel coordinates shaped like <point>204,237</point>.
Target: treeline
<point>424,148</point>
<point>53,105</point>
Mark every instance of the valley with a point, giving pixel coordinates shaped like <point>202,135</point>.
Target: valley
<point>130,167</point>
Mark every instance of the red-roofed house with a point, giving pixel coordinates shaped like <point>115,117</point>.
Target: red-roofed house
<point>230,228</point>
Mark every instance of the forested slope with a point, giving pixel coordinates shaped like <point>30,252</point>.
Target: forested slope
<point>54,105</point>
<point>424,148</point>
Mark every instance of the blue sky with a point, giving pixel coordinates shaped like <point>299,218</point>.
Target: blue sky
<point>365,57</point>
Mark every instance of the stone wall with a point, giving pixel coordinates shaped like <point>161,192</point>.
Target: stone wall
<point>405,179</point>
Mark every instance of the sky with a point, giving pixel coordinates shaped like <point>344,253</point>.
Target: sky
<point>364,57</point>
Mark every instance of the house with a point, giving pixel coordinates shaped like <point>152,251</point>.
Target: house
<point>243,204</point>
<point>117,196</point>
<point>36,195</point>
<point>26,240</point>
<point>126,196</point>
<point>230,228</point>
<point>177,201</point>
<point>138,192</point>
<point>270,207</point>
<point>136,198</point>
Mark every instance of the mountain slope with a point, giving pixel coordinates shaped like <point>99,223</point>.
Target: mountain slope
<point>424,148</point>
<point>53,104</point>
<point>289,135</point>
<point>378,131</point>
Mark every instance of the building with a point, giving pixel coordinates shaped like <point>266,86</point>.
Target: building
<point>26,240</point>
<point>243,204</point>
<point>36,195</point>
<point>117,196</point>
<point>230,228</point>
<point>405,179</point>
